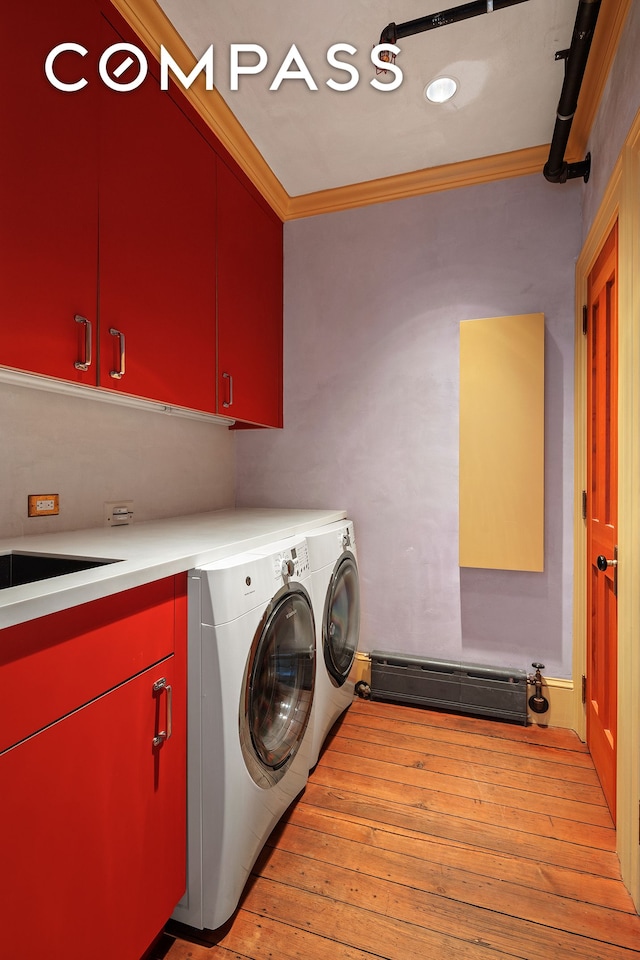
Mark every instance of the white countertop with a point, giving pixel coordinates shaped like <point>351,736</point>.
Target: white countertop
<point>147,551</point>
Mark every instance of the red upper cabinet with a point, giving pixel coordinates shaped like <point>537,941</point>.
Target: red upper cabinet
<point>136,256</point>
<point>157,247</point>
<point>48,191</point>
<point>249,264</point>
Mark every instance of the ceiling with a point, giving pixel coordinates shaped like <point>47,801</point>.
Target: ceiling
<point>300,142</point>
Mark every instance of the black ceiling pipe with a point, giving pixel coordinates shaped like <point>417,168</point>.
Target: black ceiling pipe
<point>395,31</point>
<point>556,169</point>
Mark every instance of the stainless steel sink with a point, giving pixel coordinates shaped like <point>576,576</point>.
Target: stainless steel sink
<point>21,567</point>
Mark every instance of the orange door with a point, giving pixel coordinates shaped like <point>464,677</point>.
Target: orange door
<point>602,514</point>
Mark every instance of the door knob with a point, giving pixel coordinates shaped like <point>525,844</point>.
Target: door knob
<point>603,563</point>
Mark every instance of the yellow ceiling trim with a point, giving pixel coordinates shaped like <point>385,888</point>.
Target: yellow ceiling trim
<point>519,163</point>
<point>154,28</point>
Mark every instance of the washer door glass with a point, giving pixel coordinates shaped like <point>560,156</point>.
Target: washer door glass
<point>278,689</point>
<point>341,624</point>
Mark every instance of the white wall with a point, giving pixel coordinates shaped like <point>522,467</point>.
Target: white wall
<point>91,452</point>
<point>373,302</point>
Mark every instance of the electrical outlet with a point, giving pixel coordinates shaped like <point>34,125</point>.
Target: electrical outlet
<point>43,504</point>
<point>118,513</point>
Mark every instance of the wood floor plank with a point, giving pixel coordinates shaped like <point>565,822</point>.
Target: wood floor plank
<point>308,897</point>
<point>554,783</point>
<point>475,810</point>
<point>370,930</point>
<point>528,846</point>
<point>272,940</point>
<point>464,783</point>
<point>453,884</point>
<point>561,881</point>
<point>491,729</point>
<point>183,950</point>
<point>429,835</point>
<point>441,913</point>
<point>533,750</point>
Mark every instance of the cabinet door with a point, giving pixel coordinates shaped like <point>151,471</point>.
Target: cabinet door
<point>157,245</point>
<point>249,305</point>
<point>88,649</point>
<point>93,840</point>
<point>48,190</point>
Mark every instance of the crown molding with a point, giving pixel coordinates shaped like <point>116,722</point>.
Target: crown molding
<point>154,28</point>
<point>518,163</point>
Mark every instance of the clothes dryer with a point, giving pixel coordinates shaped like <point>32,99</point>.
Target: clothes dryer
<point>335,592</point>
<point>251,686</point>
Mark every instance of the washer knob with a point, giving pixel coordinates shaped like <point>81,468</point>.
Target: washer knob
<point>287,567</point>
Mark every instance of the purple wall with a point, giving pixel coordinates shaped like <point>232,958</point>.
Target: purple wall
<point>618,107</point>
<point>373,302</point>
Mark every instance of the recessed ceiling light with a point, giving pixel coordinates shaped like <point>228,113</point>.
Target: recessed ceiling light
<point>441,89</point>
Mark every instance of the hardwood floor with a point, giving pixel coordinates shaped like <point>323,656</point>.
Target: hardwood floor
<point>427,835</point>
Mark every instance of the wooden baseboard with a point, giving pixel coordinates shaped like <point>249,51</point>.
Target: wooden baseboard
<point>362,668</point>
<point>560,695</point>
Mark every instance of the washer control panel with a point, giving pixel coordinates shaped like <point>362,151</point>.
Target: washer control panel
<point>293,561</point>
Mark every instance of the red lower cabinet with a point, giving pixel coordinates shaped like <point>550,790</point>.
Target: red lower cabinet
<point>93,812</point>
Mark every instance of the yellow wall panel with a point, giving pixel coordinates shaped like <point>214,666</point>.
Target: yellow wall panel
<point>502,443</point>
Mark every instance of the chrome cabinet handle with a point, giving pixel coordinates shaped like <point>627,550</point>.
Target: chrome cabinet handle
<point>118,374</point>
<point>162,735</point>
<point>88,343</point>
<point>229,402</point>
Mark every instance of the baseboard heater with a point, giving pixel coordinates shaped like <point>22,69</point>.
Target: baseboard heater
<point>450,685</point>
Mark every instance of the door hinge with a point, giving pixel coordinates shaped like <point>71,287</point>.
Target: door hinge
<point>584,504</point>
<point>584,688</point>
<point>585,320</point>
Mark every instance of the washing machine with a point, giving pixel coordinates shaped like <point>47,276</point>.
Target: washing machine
<point>335,592</point>
<point>251,686</point>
